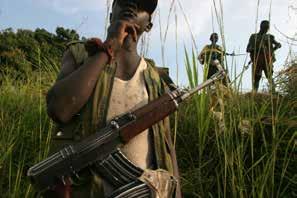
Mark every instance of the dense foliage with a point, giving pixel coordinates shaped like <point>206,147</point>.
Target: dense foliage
<point>19,49</point>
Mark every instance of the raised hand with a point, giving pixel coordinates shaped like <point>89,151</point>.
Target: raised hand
<point>118,32</point>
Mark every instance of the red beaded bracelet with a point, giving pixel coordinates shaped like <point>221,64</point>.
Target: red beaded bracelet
<point>95,45</point>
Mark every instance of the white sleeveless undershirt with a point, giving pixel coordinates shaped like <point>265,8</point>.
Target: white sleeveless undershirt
<point>127,96</point>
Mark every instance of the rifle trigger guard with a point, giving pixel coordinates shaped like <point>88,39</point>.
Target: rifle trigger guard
<point>74,172</point>
<point>63,180</point>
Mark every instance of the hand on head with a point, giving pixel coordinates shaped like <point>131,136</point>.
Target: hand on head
<point>119,31</point>
<point>128,20</point>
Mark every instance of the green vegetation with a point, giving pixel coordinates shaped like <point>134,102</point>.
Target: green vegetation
<point>229,144</point>
<point>239,145</point>
<point>24,134</point>
<point>18,50</point>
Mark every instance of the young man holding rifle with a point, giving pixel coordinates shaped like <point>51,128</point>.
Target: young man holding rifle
<point>211,53</point>
<point>101,80</point>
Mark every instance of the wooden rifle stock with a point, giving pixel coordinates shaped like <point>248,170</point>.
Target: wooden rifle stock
<point>148,115</point>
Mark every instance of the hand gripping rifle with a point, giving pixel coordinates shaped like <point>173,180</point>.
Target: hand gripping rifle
<point>72,159</point>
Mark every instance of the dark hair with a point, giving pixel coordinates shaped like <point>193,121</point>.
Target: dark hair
<point>114,1</point>
<point>214,34</point>
<point>265,22</point>
<point>147,6</point>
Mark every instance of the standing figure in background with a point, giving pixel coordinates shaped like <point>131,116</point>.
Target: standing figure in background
<point>211,53</point>
<point>261,47</point>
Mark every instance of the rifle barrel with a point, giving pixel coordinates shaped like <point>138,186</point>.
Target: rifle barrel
<point>211,80</point>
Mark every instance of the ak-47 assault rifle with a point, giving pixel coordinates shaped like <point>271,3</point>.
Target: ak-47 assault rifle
<point>98,147</point>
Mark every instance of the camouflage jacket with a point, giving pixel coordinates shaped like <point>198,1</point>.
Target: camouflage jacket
<point>93,115</point>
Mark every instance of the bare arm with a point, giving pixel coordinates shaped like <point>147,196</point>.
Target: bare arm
<point>74,86</point>
<point>276,44</point>
<point>250,47</point>
<point>201,56</point>
<point>76,83</point>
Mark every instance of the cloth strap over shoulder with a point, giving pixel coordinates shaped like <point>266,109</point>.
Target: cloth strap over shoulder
<point>164,74</point>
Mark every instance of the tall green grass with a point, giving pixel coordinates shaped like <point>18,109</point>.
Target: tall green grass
<point>24,125</point>
<point>244,146</point>
<point>24,136</point>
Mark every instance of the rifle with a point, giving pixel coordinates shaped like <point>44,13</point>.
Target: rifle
<point>69,161</point>
<point>233,54</point>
